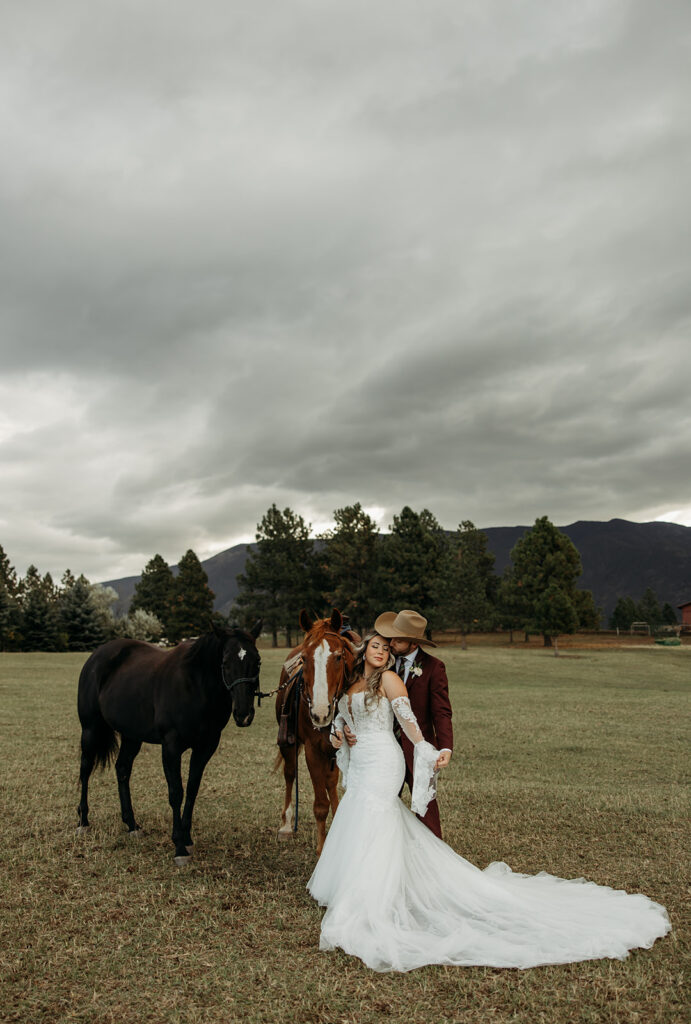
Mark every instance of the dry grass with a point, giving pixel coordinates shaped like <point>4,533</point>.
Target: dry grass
<point>572,765</point>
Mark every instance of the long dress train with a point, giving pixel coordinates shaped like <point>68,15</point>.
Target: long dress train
<point>399,898</point>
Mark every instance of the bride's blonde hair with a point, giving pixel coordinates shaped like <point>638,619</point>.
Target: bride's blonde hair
<point>372,691</point>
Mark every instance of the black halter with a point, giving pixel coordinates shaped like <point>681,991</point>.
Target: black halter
<point>236,682</point>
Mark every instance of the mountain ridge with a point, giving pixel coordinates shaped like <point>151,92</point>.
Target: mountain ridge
<point>620,559</point>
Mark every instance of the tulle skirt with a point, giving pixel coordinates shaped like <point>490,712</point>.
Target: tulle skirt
<point>398,897</point>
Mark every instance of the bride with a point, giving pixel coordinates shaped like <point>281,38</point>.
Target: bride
<point>398,897</point>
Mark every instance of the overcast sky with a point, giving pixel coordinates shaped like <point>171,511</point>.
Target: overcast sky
<point>313,253</point>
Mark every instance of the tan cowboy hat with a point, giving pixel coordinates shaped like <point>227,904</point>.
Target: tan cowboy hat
<point>408,625</point>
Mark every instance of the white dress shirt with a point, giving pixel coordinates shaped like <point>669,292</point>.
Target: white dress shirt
<point>404,664</point>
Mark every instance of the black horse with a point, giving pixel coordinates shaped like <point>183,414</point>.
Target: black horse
<point>180,698</point>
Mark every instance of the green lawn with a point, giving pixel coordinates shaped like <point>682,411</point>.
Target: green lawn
<point>576,765</point>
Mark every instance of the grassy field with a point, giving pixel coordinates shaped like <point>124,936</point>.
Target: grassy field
<point>573,765</point>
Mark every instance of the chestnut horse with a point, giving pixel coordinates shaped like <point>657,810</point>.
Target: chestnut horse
<point>312,679</point>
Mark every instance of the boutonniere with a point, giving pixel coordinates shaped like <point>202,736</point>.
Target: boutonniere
<point>415,670</point>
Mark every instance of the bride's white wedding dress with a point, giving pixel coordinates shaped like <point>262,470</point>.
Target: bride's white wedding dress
<point>399,898</point>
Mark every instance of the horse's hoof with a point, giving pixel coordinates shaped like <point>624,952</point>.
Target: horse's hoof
<point>286,833</point>
<point>183,862</point>
<point>82,828</point>
<point>134,833</point>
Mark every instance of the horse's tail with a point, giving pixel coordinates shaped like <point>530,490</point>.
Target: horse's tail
<point>99,740</point>
<point>280,756</point>
<point>106,745</point>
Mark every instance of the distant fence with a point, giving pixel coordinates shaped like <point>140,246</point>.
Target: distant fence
<point>645,629</point>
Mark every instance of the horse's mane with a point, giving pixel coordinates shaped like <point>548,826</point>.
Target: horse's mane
<point>323,628</point>
<point>207,650</point>
<point>319,630</point>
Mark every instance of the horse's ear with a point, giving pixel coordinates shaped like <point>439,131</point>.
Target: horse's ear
<point>336,620</point>
<point>353,638</point>
<point>306,622</point>
<point>256,629</point>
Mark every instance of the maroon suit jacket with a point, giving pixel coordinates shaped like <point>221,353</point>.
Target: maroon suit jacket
<point>429,700</point>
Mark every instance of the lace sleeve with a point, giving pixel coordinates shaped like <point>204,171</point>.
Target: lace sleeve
<point>343,752</point>
<point>406,719</point>
<point>338,724</point>
<point>424,757</point>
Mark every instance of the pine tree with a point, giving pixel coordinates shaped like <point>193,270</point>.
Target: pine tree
<point>649,609</point>
<point>669,616</point>
<point>588,614</point>
<point>513,609</point>
<point>8,574</point>
<point>5,617</point>
<point>466,581</point>
<point>351,557</point>
<point>193,600</point>
<point>10,611</point>
<point>625,612</point>
<point>68,579</point>
<point>40,625</point>
<point>544,556</point>
<point>279,576</point>
<point>80,617</point>
<point>555,614</point>
<point>411,560</point>
<point>154,591</point>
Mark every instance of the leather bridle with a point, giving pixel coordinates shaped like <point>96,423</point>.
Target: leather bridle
<point>340,688</point>
<point>236,682</point>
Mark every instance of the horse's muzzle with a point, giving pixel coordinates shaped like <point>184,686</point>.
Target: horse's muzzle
<point>243,722</point>
<point>320,721</point>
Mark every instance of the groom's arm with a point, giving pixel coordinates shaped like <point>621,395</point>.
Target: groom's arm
<point>440,706</point>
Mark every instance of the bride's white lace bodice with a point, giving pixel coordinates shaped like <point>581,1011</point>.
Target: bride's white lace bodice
<point>376,718</point>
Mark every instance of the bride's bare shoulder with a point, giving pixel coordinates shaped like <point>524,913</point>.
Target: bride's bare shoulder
<point>392,685</point>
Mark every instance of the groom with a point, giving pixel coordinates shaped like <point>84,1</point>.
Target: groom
<point>428,691</point>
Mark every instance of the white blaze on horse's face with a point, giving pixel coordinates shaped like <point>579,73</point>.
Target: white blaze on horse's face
<point>320,688</point>
<point>241,653</point>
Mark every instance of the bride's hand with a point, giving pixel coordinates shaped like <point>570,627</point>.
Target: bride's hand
<point>336,739</point>
<point>351,738</point>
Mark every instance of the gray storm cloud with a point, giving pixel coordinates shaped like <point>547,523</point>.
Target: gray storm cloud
<point>317,254</point>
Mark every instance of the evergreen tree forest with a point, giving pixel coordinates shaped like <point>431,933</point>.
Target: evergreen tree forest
<point>36,614</point>
<point>448,576</point>
<point>647,610</point>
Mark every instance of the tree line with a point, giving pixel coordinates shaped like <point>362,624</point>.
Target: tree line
<point>36,614</point>
<point>647,610</point>
<point>447,576</point>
